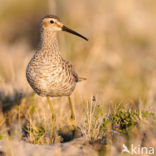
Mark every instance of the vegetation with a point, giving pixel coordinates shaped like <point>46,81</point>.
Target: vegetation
<point>115,106</point>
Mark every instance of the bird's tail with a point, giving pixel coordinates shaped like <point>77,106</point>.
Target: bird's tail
<point>82,78</point>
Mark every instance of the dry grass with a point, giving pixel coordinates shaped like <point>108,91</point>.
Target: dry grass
<point>118,61</point>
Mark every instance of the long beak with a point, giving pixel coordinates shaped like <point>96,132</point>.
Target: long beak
<point>64,28</point>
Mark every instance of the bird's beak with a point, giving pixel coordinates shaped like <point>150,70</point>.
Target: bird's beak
<point>64,28</point>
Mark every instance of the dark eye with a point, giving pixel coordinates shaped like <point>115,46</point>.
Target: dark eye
<point>51,21</point>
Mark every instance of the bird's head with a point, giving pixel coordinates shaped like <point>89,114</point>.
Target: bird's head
<point>53,23</point>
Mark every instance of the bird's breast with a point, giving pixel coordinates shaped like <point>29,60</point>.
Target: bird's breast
<point>50,79</point>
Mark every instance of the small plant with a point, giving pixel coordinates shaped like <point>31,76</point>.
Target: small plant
<point>34,133</point>
<point>124,120</point>
<point>98,124</point>
<point>94,120</point>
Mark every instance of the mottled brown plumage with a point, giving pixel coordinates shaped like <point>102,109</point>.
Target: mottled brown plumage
<point>47,72</point>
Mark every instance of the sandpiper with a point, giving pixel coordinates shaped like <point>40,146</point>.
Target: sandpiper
<point>48,73</point>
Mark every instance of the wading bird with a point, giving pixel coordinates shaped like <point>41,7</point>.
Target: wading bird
<point>48,73</point>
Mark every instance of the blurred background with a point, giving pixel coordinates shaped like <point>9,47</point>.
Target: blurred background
<point>118,60</point>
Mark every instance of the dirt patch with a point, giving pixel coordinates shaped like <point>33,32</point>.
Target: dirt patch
<point>76,147</point>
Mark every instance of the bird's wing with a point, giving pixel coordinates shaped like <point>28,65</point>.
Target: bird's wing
<point>72,70</point>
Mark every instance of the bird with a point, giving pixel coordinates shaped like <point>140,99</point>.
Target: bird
<point>48,73</point>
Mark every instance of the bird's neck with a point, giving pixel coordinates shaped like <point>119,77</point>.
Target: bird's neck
<point>49,43</point>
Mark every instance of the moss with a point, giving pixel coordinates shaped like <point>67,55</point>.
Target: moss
<point>123,120</point>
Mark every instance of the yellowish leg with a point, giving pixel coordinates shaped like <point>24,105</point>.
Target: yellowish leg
<point>72,113</point>
<point>53,120</point>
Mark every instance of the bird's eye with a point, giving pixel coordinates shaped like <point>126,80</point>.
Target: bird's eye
<point>51,21</point>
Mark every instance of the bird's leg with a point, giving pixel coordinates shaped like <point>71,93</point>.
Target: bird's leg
<point>72,113</point>
<point>53,119</point>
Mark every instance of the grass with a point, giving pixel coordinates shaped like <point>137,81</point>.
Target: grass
<point>33,123</point>
<point>110,127</point>
<point>115,106</point>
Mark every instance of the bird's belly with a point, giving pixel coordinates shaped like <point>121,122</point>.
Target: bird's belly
<point>51,83</point>
<point>56,88</point>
